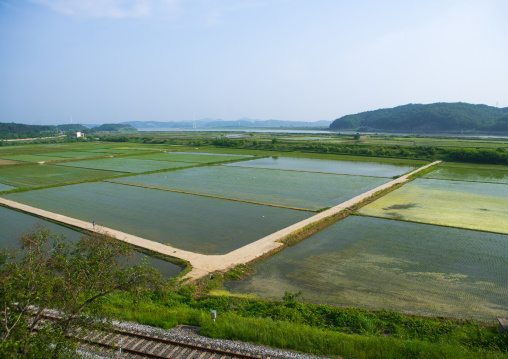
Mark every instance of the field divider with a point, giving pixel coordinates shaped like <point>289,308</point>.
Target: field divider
<point>203,265</point>
<point>210,196</point>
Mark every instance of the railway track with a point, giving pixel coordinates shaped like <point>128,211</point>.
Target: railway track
<point>124,344</point>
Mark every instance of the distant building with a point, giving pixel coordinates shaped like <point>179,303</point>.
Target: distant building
<point>78,135</point>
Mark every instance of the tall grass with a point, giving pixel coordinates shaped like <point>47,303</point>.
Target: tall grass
<point>166,311</point>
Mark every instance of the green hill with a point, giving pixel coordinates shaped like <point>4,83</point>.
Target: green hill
<point>114,127</point>
<point>19,131</point>
<point>436,117</point>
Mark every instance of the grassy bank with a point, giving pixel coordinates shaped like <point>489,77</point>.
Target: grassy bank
<point>317,329</point>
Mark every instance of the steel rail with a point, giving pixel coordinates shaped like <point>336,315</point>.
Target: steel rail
<point>154,339</point>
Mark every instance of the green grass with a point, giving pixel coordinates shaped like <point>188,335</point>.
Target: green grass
<point>355,334</point>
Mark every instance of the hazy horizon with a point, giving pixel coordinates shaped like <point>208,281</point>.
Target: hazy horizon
<point>115,61</point>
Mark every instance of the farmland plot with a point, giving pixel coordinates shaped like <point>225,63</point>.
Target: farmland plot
<point>33,158</point>
<point>470,172</point>
<point>14,224</point>
<point>126,164</point>
<point>189,157</point>
<point>4,187</point>
<point>76,154</point>
<point>306,190</point>
<point>375,169</point>
<point>480,206</point>
<point>193,223</point>
<point>44,174</point>
<point>4,162</point>
<point>377,263</point>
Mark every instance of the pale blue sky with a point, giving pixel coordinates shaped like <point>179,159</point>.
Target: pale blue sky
<point>171,60</point>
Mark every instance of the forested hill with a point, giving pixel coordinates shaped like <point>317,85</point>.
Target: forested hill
<point>20,131</point>
<point>436,117</point>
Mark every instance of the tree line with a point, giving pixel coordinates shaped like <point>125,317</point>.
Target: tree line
<point>488,156</point>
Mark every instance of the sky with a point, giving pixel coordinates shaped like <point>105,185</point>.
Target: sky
<point>110,61</point>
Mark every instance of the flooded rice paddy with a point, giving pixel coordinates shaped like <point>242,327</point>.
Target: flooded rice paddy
<point>479,206</point>
<point>189,157</point>
<point>377,263</point>
<point>4,187</point>
<point>470,172</point>
<point>44,174</point>
<point>34,158</point>
<point>374,169</point>
<point>306,190</point>
<point>14,224</point>
<point>194,223</point>
<point>126,164</point>
<point>360,261</point>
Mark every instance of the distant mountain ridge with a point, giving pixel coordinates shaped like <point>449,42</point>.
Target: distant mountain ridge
<point>436,117</point>
<point>218,123</point>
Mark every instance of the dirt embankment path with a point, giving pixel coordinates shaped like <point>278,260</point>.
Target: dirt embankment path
<point>204,264</point>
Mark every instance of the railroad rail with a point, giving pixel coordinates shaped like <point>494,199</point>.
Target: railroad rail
<point>126,344</point>
<point>134,345</point>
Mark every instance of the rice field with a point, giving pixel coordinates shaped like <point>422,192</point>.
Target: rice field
<point>194,223</point>
<point>33,158</point>
<point>188,157</point>
<point>374,169</point>
<point>75,154</point>
<point>4,162</point>
<point>377,263</point>
<point>4,187</point>
<point>470,172</point>
<point>479,206</point>
<point>14,224</point>
<point>126,164</point>
<point>45,174</point>
<point>304,190</point>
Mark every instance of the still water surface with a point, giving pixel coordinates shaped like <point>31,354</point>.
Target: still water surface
<point>377,263</point>
<point>14,223</point>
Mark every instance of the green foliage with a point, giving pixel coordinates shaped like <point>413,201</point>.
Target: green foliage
<point>318,329</point>
<point>18,131</point>
<point>428,118</point>
<point>114,127</point>
<point>50,272</point>
<point>73,127</point>
<point>237,273</point>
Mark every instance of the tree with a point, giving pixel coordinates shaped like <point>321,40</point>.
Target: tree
<point>49,272</point>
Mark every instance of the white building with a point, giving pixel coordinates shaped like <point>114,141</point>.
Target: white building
<point>78,135</point>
